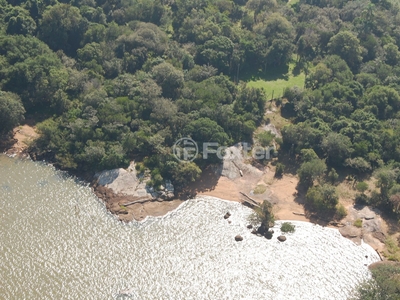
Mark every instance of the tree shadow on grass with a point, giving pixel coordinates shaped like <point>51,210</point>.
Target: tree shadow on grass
<point>271,74</point>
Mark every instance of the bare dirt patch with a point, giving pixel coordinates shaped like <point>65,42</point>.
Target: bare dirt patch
<point>23,136</point>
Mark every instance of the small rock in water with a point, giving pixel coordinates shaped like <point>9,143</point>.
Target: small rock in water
<point>229,221</point>
<point>238,238</point>
<point>227,215</point>
<point>249,226</point>
<point>281,238</point>
<point>254,231</point>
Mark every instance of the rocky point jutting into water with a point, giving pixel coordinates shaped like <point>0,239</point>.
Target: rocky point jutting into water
<point>127,195</point>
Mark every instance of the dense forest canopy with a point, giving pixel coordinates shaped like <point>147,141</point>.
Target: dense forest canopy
<point>116,80</point>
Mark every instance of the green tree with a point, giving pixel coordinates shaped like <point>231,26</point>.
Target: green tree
<point>206,130</point>
<point>251,103</point>
<point>308,155</point>
<point>392,54</point>
<point>333,176</point>
<point>265,138</point>
<point>323,197</point>
<point>347,46</point>
<point>263,216</point>
<point>11,111</point>
<point>362,186</point>
<point>385,181</point>
<point>280,168</point>
<point>384,284</point>
<point>280,52</point>
<point>184,173</point>
<point>20,22</point>
<point>62,27</point>
<point>383,100</point>
<point>310,171</point>
<point>217,52</point>
<point>169,78</point>
<point>337,147</point>
<point>359,164</point>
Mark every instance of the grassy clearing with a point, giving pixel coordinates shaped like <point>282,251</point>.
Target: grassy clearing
<point>346,191</point>
<point>276,118</point>
<point>275,80</point>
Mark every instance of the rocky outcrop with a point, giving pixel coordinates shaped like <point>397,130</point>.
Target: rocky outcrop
<point>271,128</point>
<point>127,182</point>
<point>351,232</point>
<point>233,164</point>
<point>125,193</point>
<point>380,236</point>
<point>238,238</point>
<point>268,235</point>
<point>227,215</point>
<point>281,238</point>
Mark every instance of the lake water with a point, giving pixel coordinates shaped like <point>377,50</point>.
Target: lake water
<point>57,241</point>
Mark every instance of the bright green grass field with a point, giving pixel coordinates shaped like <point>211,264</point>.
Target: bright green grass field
<point>274,81</point>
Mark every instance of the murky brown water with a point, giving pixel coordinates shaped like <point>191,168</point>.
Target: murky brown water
<point>58,242</point>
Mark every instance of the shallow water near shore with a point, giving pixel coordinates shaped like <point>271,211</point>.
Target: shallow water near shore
<point>57,241</point>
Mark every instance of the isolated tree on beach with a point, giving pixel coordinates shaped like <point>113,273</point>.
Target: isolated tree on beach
<point>263,215</point>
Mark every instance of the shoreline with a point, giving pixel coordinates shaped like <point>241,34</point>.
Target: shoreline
<point>159,208</point>
<point>281,193</point>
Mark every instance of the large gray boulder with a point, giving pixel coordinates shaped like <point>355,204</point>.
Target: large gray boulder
<point>128,182</point>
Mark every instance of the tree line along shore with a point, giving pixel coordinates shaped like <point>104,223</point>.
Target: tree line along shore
<point>106,82</point>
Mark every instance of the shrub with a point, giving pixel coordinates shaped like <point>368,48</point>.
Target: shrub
<point>384,284</point>
<point>265,138</point>
<point>362,186</point>
<point>260,189</point>
<point>280,168</point>
<point>361,199</point>
<point>333,176</point>
<point>393,250</point>
<point>358,223</point>
<point>341,212</point>
<point>287,227</point>
<point>323,197</point>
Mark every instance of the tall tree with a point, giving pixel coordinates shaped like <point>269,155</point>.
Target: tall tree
<point>347,46</point>
<point>11,111</point>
